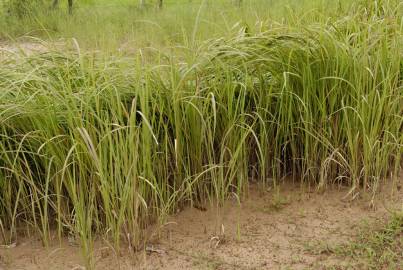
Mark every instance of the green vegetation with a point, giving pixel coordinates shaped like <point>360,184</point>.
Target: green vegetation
<point>378,249</point>
<point>377,246</point>
<point>123,25</point>
<point>105,142</point>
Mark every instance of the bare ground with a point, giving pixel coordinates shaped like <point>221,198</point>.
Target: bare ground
<point>286,228</point>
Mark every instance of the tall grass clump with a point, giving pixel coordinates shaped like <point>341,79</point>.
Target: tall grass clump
<point>99,145</point>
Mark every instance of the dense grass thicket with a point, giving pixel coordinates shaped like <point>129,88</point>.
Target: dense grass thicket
<point>93,144</point>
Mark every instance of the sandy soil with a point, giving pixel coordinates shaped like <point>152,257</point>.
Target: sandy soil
<point>29,46</point>
<point>275,229</point>
<point>25,47</point>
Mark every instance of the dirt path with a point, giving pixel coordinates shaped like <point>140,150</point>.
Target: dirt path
<point>289,228</point>
<point>31,46</point>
